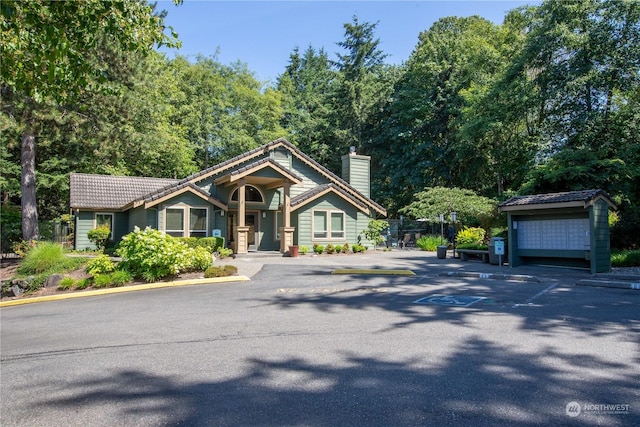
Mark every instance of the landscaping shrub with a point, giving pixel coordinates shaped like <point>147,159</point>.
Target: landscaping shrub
<point>319,249</point>
<point>42,258</point>
<point>625,258</point>
<point>330,249</point>
<point>152,255</point>
<point>99,236</point>
<point>338,249</point>
<point>357,248</point>
<point>66,283</point>
<point>429,243</point>
<point>120,277</point>
<point>220,271</point>
<point>101,280</point>
<point>224,253</point>
<point>83,283</point>
<point>303,250</point>
<point>470,238</point>
<point>345,248</point>
<point>101,264</point>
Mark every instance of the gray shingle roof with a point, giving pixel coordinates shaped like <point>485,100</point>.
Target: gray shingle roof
<point>89,191</point>
<point>565,197</point>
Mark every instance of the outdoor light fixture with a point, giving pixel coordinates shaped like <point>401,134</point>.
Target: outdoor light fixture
<point>264,214</point>
<point>221,213</point>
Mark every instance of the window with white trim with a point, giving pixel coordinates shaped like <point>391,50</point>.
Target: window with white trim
<point>198,222</point>
<point>105,220</point>
<point>328,224</point>
<point>174,222</point>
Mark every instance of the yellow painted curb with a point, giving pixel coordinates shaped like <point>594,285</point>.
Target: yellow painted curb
<point>124,289</point>
<point>374,271</point>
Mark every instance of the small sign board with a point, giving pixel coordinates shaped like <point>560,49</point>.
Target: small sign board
<point>499,247</point>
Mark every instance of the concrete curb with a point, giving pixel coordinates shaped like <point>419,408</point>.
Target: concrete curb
<point>494,276</point>
<point>609,284</point>
<point>123,289</point>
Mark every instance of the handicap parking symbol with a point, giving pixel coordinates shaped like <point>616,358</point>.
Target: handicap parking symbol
<point>450,300</point>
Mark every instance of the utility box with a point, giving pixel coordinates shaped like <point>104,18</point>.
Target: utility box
<point>568,229</point>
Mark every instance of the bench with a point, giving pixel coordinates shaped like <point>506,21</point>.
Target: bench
<point>464,254</point>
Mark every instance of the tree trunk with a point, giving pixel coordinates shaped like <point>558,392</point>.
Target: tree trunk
<point>28,186</point>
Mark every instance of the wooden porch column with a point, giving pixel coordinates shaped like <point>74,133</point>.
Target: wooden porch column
<point>242,231</point>
<point>286,232</point>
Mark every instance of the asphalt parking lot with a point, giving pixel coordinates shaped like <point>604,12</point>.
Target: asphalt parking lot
<point>299,345</point>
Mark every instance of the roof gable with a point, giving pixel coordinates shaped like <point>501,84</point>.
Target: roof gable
<point>321,190</point>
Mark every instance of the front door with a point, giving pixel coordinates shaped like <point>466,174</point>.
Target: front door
<point>251,221</point>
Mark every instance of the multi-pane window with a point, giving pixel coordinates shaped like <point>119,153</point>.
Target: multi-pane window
<point>174,222</point>
<point>198,222</point>
<point>105,220</point>
<point>328,224</point>
<point>337,225</point>
<point>320,224</point>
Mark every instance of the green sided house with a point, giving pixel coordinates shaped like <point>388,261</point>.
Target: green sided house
<point>266,199</point>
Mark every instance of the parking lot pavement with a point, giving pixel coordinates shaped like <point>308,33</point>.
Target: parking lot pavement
<point>298,345</point>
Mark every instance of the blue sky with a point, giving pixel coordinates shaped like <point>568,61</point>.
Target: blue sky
<point>263,34</point>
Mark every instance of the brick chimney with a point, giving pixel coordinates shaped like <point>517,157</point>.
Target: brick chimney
<point>356,171</point>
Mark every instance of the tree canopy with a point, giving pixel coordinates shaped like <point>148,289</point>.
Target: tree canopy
<point>547,101</point>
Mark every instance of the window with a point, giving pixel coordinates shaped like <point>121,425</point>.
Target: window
<point>319,224</point>
<point>337,225</point>
<point>174,222</point>
<point>328,224</point>
<point>105,220</point>
<point>198,222</point>
<point>251,194</point>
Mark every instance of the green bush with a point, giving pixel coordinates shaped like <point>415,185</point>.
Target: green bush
<point>220,271</point>
<point>10,226</point>
<point>152,255</point>
<point>303,249</point>
<point>357,248</point>
<point>330,249</point>
<point>429,243</point>
<point>102,281</point>
<point>625,258</point>
<point>224,253</point>
<point>48,257</point>
<point>319,249</point>
<point>345,248</point>
<point>470,236</point>
<point>101,264</point>
<point>338,249</point>
<point>213,244</point>
<point>83,283</point>
<point>120,277</point>
<point>66,283</point>
<point>99,236</point>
